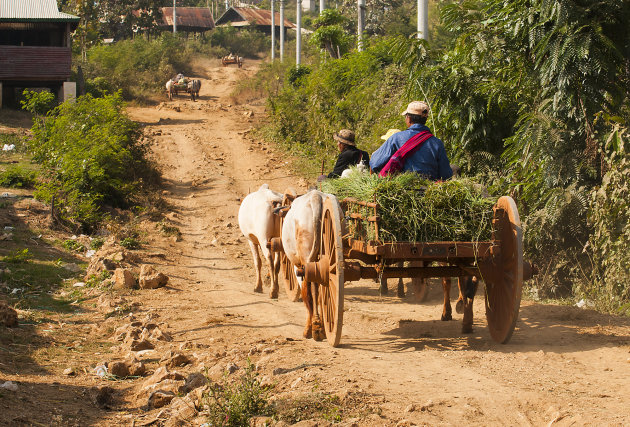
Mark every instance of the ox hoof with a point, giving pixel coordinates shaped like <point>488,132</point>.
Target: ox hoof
<point>258,289</point>
<point>318,330</point>
<point>446,317</point>
<point>459,307</point>
<point>308,332</point>
<point>467,329</point>
<point>273,295</point>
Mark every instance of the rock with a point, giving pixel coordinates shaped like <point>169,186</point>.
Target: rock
<point>103,397</point>
<point>139,345</point>
<point>183,408</point>
<point>342,395</point>
<point>69,372</point>
<point>159,335</point>
<point>427,405</point>
<point>123,279</point>
<point>404,423</point>
<point>297,382</point>
<point>8,316</point>
<point>260,421</point>
<point>193,381</point>
<point>127,368</point>
<point>151,279</point>
<point>174,360</point>
<point>9,385</point>
<point>160,375</point>
<point>231,368</point>
<point>160,398</point>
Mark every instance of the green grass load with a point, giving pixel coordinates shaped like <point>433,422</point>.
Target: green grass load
<point>413,209</point>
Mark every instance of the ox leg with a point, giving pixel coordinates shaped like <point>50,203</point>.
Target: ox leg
<point>257,266</point>
<point>467,290</point>
<point>447,311</point>
<point>400,291</point>
<point>306,297</point>
<point>318,326</point>
<point>274,269</point>
<point>383,288</point>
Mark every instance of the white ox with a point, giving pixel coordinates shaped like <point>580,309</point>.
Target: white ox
<point>300,242</point>
<point>259,224</point>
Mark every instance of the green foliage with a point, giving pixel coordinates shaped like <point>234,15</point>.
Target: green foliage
<point>295,74</point>
<point>609,215</point>
<point>96,243</point>
<point>92,158</point>
<point>17,177</point>
<point>234,403</point>
<point>240,41</point>
<point>18,256</point>
<point>130,243</point>
<point>72,245</point>
<point>38,103</point>
<point>330,33</point>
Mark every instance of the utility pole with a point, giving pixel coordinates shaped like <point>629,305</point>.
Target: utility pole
<point>298,35</point>
<point>281,30</point>
<point>174,16</point>
<point>273,32</point>
<point>423,19</point>
<point>322,6</point>
<point>361,27</point>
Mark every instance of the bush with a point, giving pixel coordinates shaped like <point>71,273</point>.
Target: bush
<point>241,42</point>
<point>233,404</point>
<point>38,103</point>
<point>17,177</point>
<point>92,158</point>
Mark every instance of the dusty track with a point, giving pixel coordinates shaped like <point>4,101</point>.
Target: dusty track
<point>397,361</point>
<point>563,366</point>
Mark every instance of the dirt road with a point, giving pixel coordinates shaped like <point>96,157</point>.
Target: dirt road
<point>398,364</point>
<point>564,365</point>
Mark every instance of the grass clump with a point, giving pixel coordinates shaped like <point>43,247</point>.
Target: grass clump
<point>17,177</point>
<point>130,243</point>
<point>413,209</point>
<point>72,245</point>
<point>233,404</point>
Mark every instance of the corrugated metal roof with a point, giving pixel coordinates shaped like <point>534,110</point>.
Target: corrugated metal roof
<point>33,10</point>
<point>251,15</point>
<point>194,17</point>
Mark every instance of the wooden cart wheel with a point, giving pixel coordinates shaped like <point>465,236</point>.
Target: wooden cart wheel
<point>291,284</point>
<point>331,249</point>
<point>503,289</point>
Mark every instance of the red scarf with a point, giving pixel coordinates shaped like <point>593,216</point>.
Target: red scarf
<point>397,161</point>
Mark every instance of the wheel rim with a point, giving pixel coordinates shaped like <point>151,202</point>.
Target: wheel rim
<point>291,283</point>
<point>331,295</point>
<point>503,291</point>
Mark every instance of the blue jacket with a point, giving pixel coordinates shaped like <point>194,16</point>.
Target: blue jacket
<point>430,159</point>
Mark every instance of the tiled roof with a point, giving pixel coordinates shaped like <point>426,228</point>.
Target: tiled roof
<point>249,14</point>
<point>33,10</point>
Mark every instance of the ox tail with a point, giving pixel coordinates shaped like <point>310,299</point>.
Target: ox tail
<point>316,204</point>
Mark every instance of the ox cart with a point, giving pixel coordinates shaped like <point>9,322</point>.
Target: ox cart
<point>342,258</point>
<point>232,59</point>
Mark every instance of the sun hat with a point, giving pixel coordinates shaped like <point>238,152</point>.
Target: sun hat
<point>418,108</point>
<point>389,133</point>
<point>345,136</point>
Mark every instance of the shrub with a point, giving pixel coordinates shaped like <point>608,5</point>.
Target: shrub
<point>72,245</point>
<point>242,42</point>
<point>130,243</point>
<point>233,404</point>
<point>38,103</point>
<point>92,158</point>
<point>17,177</point>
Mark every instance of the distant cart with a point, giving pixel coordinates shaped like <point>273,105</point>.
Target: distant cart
<point>231,59</point>
<point>342,258</point>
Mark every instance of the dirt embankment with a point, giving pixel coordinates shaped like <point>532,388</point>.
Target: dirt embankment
<point>398,363</point>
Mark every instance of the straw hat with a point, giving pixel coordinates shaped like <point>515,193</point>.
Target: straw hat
<point>345,136</point>
<point>389,133</point>
<point>418,108</point>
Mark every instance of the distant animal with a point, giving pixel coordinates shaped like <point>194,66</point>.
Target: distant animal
<point>194,86</point>
<point>300,242</point>
<point>170,89</point>
<point>259,225</point>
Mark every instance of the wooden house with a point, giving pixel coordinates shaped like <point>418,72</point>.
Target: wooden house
<point>248,17</point>
<point>35,48</point>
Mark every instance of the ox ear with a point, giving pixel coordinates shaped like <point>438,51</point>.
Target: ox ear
<point>264,187</point>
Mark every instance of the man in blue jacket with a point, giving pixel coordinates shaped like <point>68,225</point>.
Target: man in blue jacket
<point>428,158</point>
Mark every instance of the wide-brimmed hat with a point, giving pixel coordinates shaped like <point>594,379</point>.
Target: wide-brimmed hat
<point>345,136</point>
<point>389,133</point>
<point>418,108</point>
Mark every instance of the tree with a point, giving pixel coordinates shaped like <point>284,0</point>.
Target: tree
<point>330,34</point>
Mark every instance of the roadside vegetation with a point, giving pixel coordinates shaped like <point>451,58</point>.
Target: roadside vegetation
<point>532,100</point>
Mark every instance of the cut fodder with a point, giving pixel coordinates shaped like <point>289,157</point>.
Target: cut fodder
<point>413,209</point>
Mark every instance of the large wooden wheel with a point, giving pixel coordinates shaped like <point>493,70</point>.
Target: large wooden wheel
<point>504,285</point>
<point>287,270</point>
<point>331,253</point>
